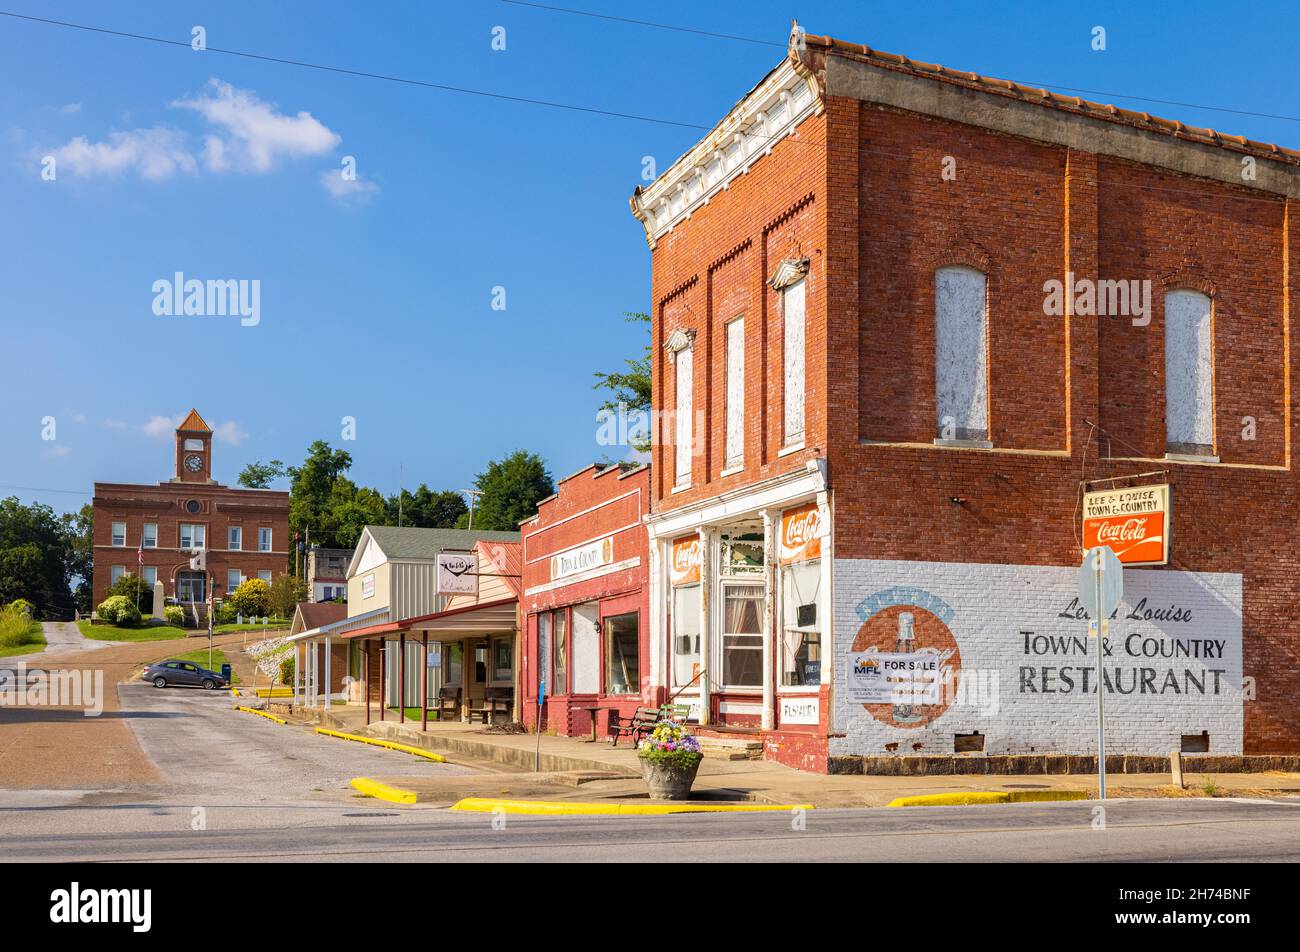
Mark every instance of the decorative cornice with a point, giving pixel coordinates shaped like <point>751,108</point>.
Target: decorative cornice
<point>788,272</point>
<point>679,340</point>
<point>768,113</point>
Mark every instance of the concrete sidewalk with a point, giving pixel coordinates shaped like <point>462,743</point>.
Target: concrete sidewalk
<point>574,769</point>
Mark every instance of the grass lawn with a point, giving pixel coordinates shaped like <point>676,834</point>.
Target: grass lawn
<point>143,633</point>
<point>272,625</point>
<point>37,643</point>
<point>413,713</point>
<point>200,657</point>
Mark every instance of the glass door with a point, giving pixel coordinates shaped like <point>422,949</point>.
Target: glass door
<point>741,645</point>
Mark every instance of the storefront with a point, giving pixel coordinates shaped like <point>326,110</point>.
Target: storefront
<point>586,604</point>
<point>742,594</point>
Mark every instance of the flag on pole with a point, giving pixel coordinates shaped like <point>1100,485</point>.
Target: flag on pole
<point>139,554</point>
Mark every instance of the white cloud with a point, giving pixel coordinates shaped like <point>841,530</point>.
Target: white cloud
<point>153,154</point>
<point>78,418</point>
<point>71,109</point>
<point>161,425</point>
<point>58,451</point>
<point>229,432</point>
<point>254,134</point>
<point>342,189</point>
<point>115,424</point>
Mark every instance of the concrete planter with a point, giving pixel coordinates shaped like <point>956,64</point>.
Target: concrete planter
<point>669,781</point>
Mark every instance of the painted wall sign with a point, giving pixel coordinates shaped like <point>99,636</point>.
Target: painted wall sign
<point>594,555</point>
<point>801,534</point>
<point>1015,662</point>
<point>685,566</point>
<point>457,573</point>
<point>800,710</point>
<point>1133,522</point>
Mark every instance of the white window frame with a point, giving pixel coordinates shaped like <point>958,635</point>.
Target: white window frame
<point>146,571</point>
<point>149,540</point>
<point>198,535</point>
<point>238,576</point>
<point>116,573</point>
<point>794,346</point>
<point>264,575</point>
<point>267,547</point>
<point>734,446</point>
<point>234,538</point>
<point>719,646</point>
<point>961,357</point>
<point>116,536</point>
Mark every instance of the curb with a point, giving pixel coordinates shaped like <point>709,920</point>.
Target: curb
<point>269,717</point>
<point>978,797</point>
<point>561,808</point>
<point>382,791</point>
<point>391,745</point>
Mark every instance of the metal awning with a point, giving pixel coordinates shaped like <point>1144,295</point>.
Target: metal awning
<point>489,617</point>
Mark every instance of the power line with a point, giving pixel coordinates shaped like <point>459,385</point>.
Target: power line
<point>657,26</point>
<point>47,489</point>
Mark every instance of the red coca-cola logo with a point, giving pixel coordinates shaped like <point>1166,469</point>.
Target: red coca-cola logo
<point>803,528</point>
<point>1130,530</point>
<point>686,555</point>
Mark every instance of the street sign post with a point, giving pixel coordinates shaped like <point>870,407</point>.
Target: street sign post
<point>1101,586</point>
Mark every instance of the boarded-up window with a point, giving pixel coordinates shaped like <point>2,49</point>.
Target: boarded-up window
<point>684,370</point>
<point>735,455</point>
<point>1189,374</point>
<point>961,354</point>
<point>794,363</point>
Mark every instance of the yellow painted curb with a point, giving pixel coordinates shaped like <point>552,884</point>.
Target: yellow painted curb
<point>391,745</point>
<point>975,797</point>
<point>382,791</point>
<point>275,692</point>
<point>269,717</point>
<point>234,693</point>
<point>561,808</point>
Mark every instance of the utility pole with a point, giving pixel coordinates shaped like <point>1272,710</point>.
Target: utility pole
<point>401,473</point>
<point>473,495</point>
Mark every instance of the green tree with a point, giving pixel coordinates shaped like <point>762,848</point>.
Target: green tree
<point>286,592</point>
<point>351,508</point>
<point>311,492</point>
<point>425,508</point>
<point>511,489</point>
<point>259,475</point>
<point>34,558</point>
<point>629,391</point>
<point>250,599</point>
<point>79,553</point>
<point>136,590</point>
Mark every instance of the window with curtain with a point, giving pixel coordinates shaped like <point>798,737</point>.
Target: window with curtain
<point>622,664</point>
<point>961,354</point>
<point>800,633</point>
<point>544,648</point>
<point>793,349</point>
<point>1189,373</point>
<point>742,636</point>
<point>686,634</point>
<point>560,654</point>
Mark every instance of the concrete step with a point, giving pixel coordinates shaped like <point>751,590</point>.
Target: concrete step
<point>731,748</point>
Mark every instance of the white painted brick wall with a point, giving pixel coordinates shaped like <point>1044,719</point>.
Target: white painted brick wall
<point>993,604</point>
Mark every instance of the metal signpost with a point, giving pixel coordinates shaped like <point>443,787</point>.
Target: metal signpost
<point>1101,586</point>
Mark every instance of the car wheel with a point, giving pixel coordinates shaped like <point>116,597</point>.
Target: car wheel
<point>209,684</point>
<point>160,682</point>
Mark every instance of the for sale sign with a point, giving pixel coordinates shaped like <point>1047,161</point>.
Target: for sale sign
<point>1133,522</point>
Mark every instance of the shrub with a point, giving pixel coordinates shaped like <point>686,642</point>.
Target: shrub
<point>16,628</point>
<point>22,606</point>
<point>174,615</point>
<point>251,598</point>
<point>669,743</point>
<point>119,610</point>
<point>286,592</point>
<point>136,590</point>
<point>286,669</point>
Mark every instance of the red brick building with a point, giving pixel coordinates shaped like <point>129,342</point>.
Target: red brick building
<point>154,531</point>
<point>585,602</point>
<point>912,314</point>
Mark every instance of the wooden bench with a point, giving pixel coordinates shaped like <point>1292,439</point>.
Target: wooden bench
<point>495,701</point>
<point>675,712</point>
<point>448,703</point>
<point>642,722</point>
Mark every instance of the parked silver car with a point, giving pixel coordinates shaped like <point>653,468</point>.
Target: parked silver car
<point>166,674</point>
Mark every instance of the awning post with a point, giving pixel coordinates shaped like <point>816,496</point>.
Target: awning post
<point>424,687</point>
<point>401,677</point>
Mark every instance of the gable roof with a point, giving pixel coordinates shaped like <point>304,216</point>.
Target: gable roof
<point>194,423</point>
<point>414,543</point>
<point>311,615</point>
<point>508,560</point>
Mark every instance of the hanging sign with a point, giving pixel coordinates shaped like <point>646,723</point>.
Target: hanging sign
<point>457,573</point>
<point>1133,522</point>
<point>801,534</point>
<point>685,567</point>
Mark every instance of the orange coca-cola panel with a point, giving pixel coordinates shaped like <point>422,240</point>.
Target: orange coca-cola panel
<point>1133,522</point>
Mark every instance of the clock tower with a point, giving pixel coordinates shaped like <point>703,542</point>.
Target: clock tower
<point>193,450</point>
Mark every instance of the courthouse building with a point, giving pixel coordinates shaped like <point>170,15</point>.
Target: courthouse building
<point>904,318</point>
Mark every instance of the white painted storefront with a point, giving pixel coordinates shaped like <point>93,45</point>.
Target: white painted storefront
<point>1018,667</point>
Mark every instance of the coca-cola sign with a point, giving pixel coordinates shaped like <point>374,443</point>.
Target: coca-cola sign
<point>685,567</point>
<point>1133,522</point>
<point>801,533</point>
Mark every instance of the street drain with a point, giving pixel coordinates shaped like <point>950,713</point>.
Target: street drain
<point>372,814</point>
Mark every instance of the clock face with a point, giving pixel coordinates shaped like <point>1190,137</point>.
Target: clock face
<point>194,463</point>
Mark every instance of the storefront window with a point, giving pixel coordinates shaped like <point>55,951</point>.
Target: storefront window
<point>452,666</point>
<point>742,636</point>
<point>622,637</point>
<point>480,662</point>
<point>503,660</point>
<point>560,629</point>
<point>686,634</point>
<point>801,660</point>
<point>544,648</point>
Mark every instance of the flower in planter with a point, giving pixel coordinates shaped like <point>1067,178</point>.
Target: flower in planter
<point>670,744</point>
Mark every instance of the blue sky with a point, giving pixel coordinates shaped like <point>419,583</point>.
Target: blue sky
<point>376,303</point>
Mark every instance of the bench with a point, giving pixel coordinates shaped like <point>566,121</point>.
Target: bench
<point>642,722</point>
<point>675,712</point>
<point>495,701</point>
<point>448,703</point>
